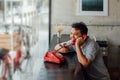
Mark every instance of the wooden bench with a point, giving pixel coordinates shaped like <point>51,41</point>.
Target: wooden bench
<point>5,41</point>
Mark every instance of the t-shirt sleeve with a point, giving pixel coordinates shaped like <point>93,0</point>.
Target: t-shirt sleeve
<point>91,51</point>
<point>68,43</point>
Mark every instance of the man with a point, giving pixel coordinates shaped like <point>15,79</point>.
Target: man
<point>87,52</point>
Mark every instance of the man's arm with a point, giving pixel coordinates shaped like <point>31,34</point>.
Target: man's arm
<point>81,58</point>
<point>64,49</point>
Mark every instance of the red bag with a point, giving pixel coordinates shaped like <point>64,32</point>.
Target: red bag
<point>54,57</point>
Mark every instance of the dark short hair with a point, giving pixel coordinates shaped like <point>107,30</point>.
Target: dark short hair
<point>80,26</point>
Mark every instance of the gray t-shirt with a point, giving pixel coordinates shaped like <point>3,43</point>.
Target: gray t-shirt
<point>97,69</point>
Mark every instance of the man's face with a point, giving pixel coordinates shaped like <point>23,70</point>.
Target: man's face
<point>75,33</point>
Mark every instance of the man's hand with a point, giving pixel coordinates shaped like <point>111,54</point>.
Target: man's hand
<point>79,41</point>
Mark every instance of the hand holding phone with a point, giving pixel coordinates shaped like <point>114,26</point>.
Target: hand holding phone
<point>80,41</point>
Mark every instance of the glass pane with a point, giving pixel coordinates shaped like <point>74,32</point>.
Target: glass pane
<point>26,21</point>
<point>22,13</point>
<point>1,10</point>
<point>13,10</point>
<point>42,7</point>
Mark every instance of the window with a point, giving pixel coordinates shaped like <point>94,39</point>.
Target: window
<point>92,7</point>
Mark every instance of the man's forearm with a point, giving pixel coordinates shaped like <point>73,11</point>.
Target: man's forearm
<point>61,49</point>
<point>81,58</point>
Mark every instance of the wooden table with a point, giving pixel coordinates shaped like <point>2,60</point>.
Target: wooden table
<point>63,71</point>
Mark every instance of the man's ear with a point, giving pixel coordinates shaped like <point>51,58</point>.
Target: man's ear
<point>84,36</point>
